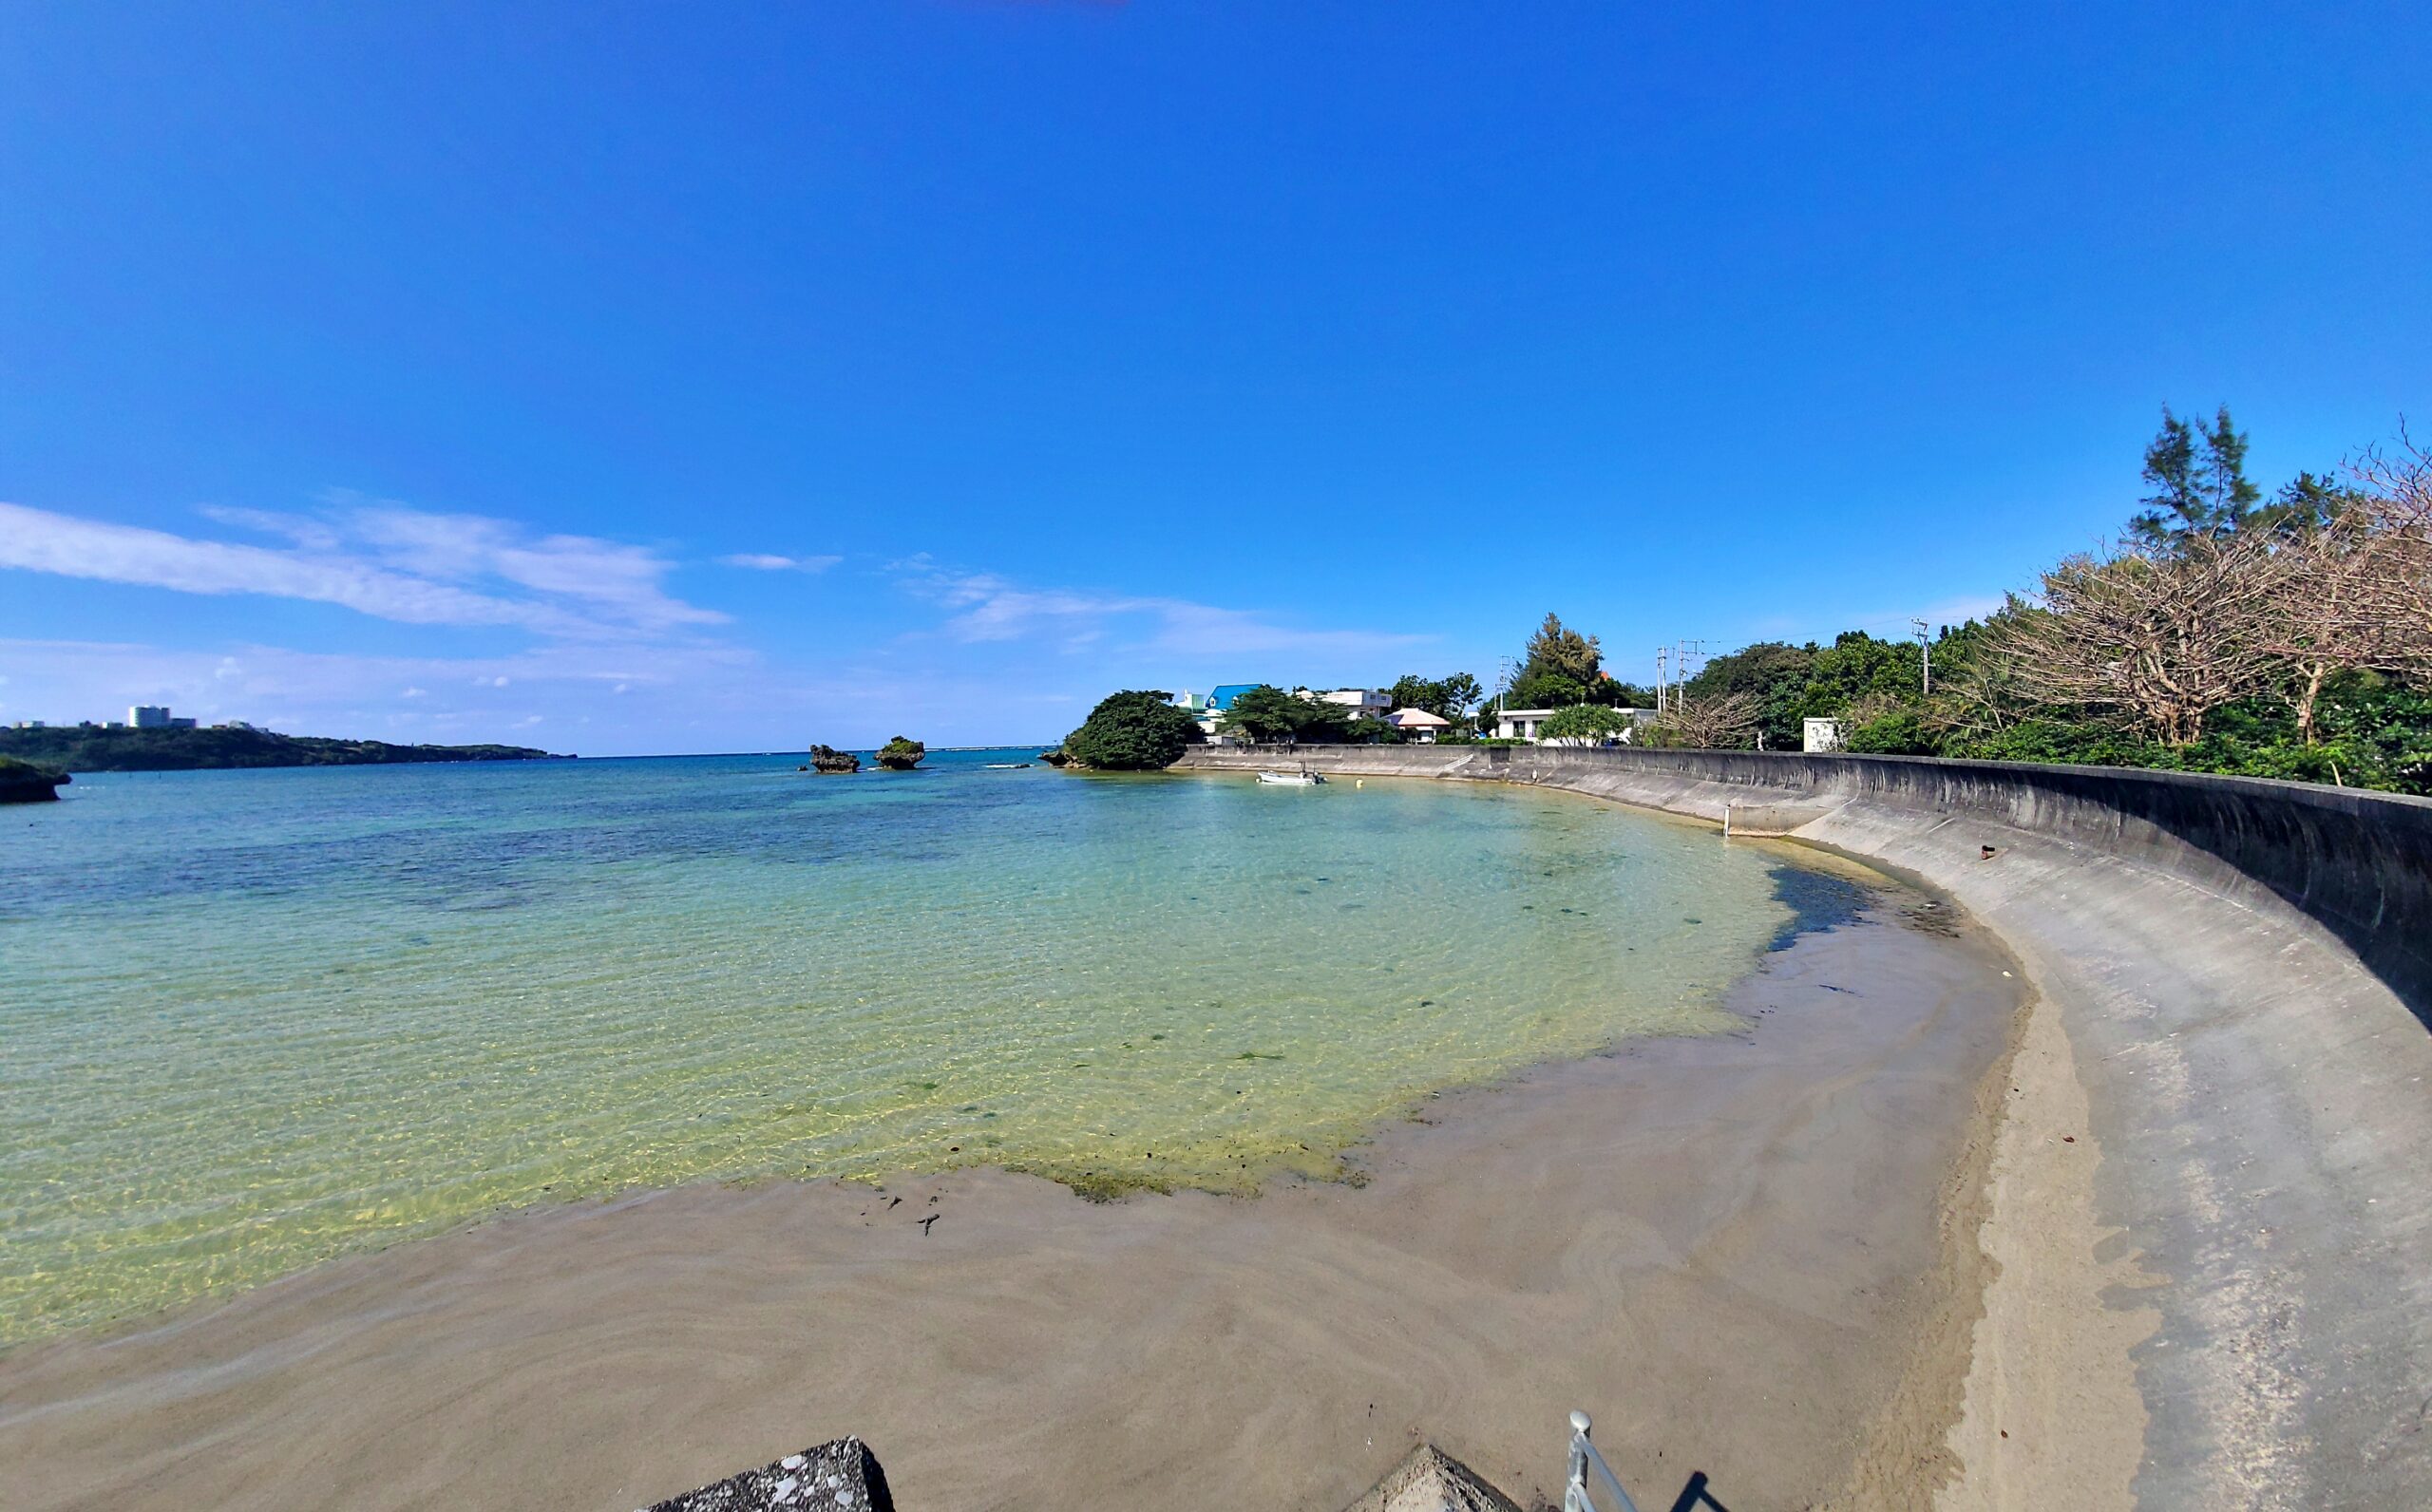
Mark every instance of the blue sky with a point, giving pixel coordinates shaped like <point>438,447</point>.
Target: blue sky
<point>665,378</point>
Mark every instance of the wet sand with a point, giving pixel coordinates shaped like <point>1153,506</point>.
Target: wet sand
<point>1750,1256</point>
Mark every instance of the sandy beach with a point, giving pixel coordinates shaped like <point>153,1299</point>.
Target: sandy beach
<point>1750,1256</point>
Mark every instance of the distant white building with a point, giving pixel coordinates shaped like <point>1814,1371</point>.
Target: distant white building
<point>1529,724</point>
<point>1359,700</point>
<point>154,716</point>
<point>1520,724</point>
<point>1824,734</point>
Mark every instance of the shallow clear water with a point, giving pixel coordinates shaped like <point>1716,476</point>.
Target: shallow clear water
<point>251,1020</point>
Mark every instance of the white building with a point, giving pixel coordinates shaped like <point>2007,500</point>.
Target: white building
<point>1359,700</point>
<point>154,716</point>
<point>1824,734</point>
<point>1529,724</point>
<point>1520,724</point>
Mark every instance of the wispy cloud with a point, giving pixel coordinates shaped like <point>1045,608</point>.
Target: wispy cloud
<point>379,559</point>
<point>336,692</point>
<point>987,607</point>
<point>771,562</point>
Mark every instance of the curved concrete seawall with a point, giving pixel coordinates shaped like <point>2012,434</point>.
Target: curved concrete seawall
<point>2212,1199</point>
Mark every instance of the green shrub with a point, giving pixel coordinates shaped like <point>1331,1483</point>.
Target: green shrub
<point>1136,731</point>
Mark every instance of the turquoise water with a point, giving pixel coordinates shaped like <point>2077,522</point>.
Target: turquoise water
<point>252,1020</point>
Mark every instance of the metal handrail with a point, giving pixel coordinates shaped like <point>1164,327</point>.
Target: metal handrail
<point>1584,1457</point>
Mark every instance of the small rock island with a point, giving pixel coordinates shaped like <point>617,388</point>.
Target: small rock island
<point>25,783</point>
<point>829,759</point>
<point>901,754</point>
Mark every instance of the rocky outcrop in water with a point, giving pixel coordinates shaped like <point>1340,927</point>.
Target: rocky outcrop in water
<point>829,759</point>
<point>25,783</point>
<point>901,754</point>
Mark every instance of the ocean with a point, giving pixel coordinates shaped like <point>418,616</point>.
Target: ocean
<point>250,1021</point>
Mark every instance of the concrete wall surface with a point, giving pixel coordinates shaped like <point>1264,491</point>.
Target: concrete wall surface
<point>2243,971</point>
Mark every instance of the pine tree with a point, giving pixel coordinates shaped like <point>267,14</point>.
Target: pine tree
<point>2200,486</point>
<point>1562,652</point>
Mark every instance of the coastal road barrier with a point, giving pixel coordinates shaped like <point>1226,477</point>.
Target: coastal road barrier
<point>2231,1103</point>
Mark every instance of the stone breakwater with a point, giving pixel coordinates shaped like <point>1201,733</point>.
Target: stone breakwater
<point>2210,1202</point>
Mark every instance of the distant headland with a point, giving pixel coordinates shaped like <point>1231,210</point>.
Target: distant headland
<point>183,747</point>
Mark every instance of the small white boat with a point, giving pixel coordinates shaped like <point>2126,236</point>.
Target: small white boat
<point>1303,778</point>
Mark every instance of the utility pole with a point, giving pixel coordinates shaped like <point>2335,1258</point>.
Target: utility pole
<point>1658,679</point>
<point>1925,655</point>
<point>1684,654</point>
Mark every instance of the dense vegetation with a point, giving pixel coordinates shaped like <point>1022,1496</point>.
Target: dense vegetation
<point>25,783</point>
<point>1136,731</point>
<point>901,754</point>
<point>2288,637</point>
<point>1267,713</point>
<point>1562,668</point>
<point>1451,697</point>
<point>89,748</point>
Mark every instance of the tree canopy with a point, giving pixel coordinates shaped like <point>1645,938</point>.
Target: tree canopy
<point>1588,722</point>
<point>1136,731</point>
<point>2283,636</point>
<point>2197,473</point>
<point>1560,652</point>
<point>1267,713</point>
<point>1451,697</point>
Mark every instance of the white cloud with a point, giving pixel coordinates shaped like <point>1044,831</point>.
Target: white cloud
<point>380,560</point>
<point>336,694</point>
<point>991,608</point>
<point>770,562</point>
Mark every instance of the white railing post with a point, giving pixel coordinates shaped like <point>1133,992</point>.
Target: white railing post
<point>1574,1496</point>
<point>1584,1457</point>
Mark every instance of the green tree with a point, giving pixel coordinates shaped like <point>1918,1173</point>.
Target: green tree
<point>1564,652</point>
<point>1409,691</point>
<point>1319,723</point>
<point>1450,698</point>
<point>1540,688</point>
<point>1587,722</point>
<point>1901,732</point>
<point>1265,712</point>
<point>2305,504</point>
<point>2198,476</point>
<point>1457,696</point>
<point>1136,731</point>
